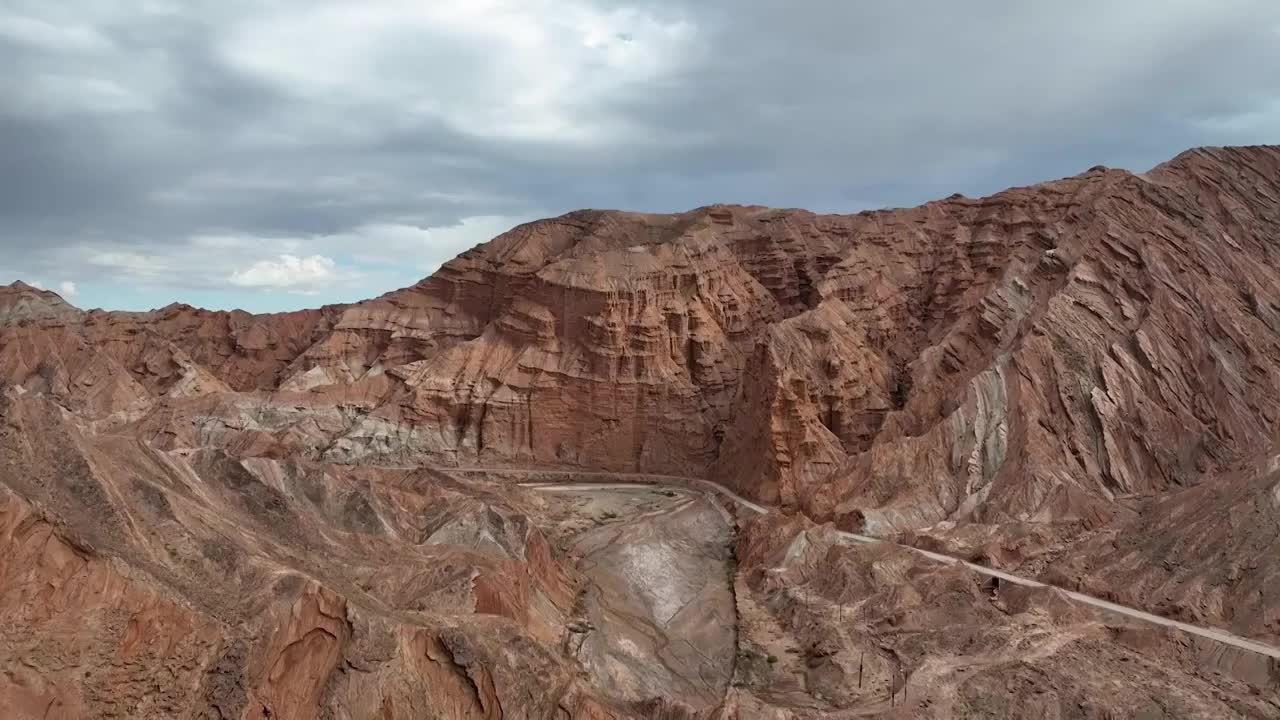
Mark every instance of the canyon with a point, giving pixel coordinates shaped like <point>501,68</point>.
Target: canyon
<point>338,512</point>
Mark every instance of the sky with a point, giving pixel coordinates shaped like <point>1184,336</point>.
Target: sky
<point>286,154</point>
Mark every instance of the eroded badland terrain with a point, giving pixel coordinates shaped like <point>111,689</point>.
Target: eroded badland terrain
<point>482,497</point>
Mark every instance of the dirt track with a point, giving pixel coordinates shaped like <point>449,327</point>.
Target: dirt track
<point>623,480</point>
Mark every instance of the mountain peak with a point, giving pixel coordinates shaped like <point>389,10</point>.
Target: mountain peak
<point>21,301</point>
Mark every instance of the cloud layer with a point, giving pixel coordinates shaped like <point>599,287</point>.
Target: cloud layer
<point>288,272</point>
<point>221,153</point>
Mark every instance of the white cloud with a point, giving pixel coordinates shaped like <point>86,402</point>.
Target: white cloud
<point>374,257</point>
<point>55,94</point>
<point>126,264</point>
<point>39,33</point>
<point>67,289</point>
<point>539,70</point>
<point>289,272</point>
<point>423,248</point>
<point>168,146</point>
<point>1263,121</point>
<point>81,70</point>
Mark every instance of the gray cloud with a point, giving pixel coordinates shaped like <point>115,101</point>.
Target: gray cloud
<point>133,133</point>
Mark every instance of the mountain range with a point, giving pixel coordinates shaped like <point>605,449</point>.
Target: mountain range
<point>368,510</point>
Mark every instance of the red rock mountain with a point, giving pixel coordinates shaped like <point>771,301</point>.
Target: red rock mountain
<point>1078,379</point>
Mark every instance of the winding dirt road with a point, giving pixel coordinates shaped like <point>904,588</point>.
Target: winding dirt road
<point>625,480</point>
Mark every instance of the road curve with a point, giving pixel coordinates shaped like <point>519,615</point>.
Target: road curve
<point>633,479</point>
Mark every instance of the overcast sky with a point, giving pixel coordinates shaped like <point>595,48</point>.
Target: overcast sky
<point>276,155</point>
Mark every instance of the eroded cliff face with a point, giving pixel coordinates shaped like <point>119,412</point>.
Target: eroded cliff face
<point>1079,378</point>
<point>1136,355</point>
<point>1032,355</point>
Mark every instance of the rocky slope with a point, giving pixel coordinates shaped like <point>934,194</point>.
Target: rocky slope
<point>830,629</point>
<point>1078,379</point>
<point>140,583</point>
